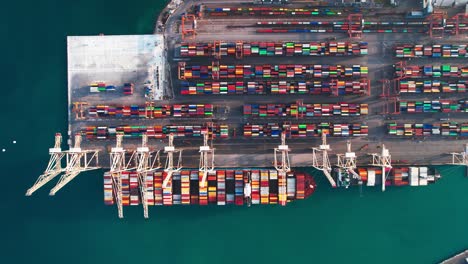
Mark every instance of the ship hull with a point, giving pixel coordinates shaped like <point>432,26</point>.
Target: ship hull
<point>396,176</point>
<point>223,187</point>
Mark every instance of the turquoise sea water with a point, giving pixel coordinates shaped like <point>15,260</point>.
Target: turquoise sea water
<point>402,225</point>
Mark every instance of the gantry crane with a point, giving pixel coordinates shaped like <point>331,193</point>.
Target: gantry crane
<point>206,159</point>
<point>460,158</point>
<point>144,166</point>
<point>384,160</point>
<point>188,25</point>
<point>78,160</point>
<point>322,162</point>
<point>283,167</point>
<point>78,110</point>
<point>347,162</point>
<point>54,167</point>
<point>169,168</point>
<point>118,165</point>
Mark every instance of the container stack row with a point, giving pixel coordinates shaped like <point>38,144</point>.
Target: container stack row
<point>212,186</point>
<point>99,87</point>
<point>342,26</point>
<point>290,186</point>
<point>185,186</point>
<point>135,111</point>
<point>305,110</point>
<point>431,51</point>
<point>270,11</point>
<point>125,176</point>
<point>158,191</point>
<point>275,49</point>
<point>255,177</point>
<point>344,87</point>
<point>231,192</point>
<point>273,190</point>
<point>239,187</point>
<point>444,106</point>
<point>103,132</point>
<point>134,190</point>
<point>264,187</point>
<point>176,191</point>
<point>203,190</point>
<point>401,176</point>
<point>267,71</point>
<point>108,191</point>
<point>149,182</point>
<point>305,130</point>
<point>167,192</point>
<point>221,187</point>
<point>368,175</point>
<point>433,86</point>
<point>432,71</point>
<point>452,129</point>
<point>397,176</point>
<point>300,186</point>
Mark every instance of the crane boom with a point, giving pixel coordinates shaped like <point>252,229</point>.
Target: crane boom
<point>283,168</point>
<point>384,160</point>
<point>118,165</point>
<point>323,162</point>
<point>206,159</point>
<point>54,167</point>
<point>145,166</point>
<point>169,168</point>
<point>77,162</point>
<point>460,158</point>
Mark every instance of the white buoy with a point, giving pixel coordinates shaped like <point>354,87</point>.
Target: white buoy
<point>3,150</point>
<point>14,141</point>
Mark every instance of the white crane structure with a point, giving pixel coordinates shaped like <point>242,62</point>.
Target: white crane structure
<point>460,158</point>
<point>347,161</point>
<point>169,168</point>
<point>117,166</point>
<point>322,162</point>
<point>54,167</point>
<point>283,167</point>
<point>206,159</point>
<point>384,160</point>
<point>144,166</point>
<point>78,161</point>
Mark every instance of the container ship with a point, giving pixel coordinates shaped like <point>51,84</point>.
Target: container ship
<point>396,176</point>
<point>223,187</point>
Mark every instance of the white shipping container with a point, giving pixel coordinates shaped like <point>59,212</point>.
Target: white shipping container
<point>414,176</point>
<point>93,89</point>
<point>370,177</point>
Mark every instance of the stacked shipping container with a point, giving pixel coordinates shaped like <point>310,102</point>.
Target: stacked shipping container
<point>444,106</point>
<point>274,49</point>
<point>344,87</point>
<point>305,110</point>
<point>102,133</point>
<point>432,86</point>
<point>135,111</point>
<point>267,71</point>
<point>452,129</point>
<point>431,51</point>
<point>305,130</point>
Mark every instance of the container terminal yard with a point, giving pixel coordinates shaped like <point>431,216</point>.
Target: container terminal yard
<point>227,99</point>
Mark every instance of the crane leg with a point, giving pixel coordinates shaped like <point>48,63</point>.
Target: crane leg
<point>144,194</point>
<point>42,180</point>
<point>66,178</point>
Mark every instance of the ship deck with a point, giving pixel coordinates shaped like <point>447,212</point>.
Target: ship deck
<point>86,65</point>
